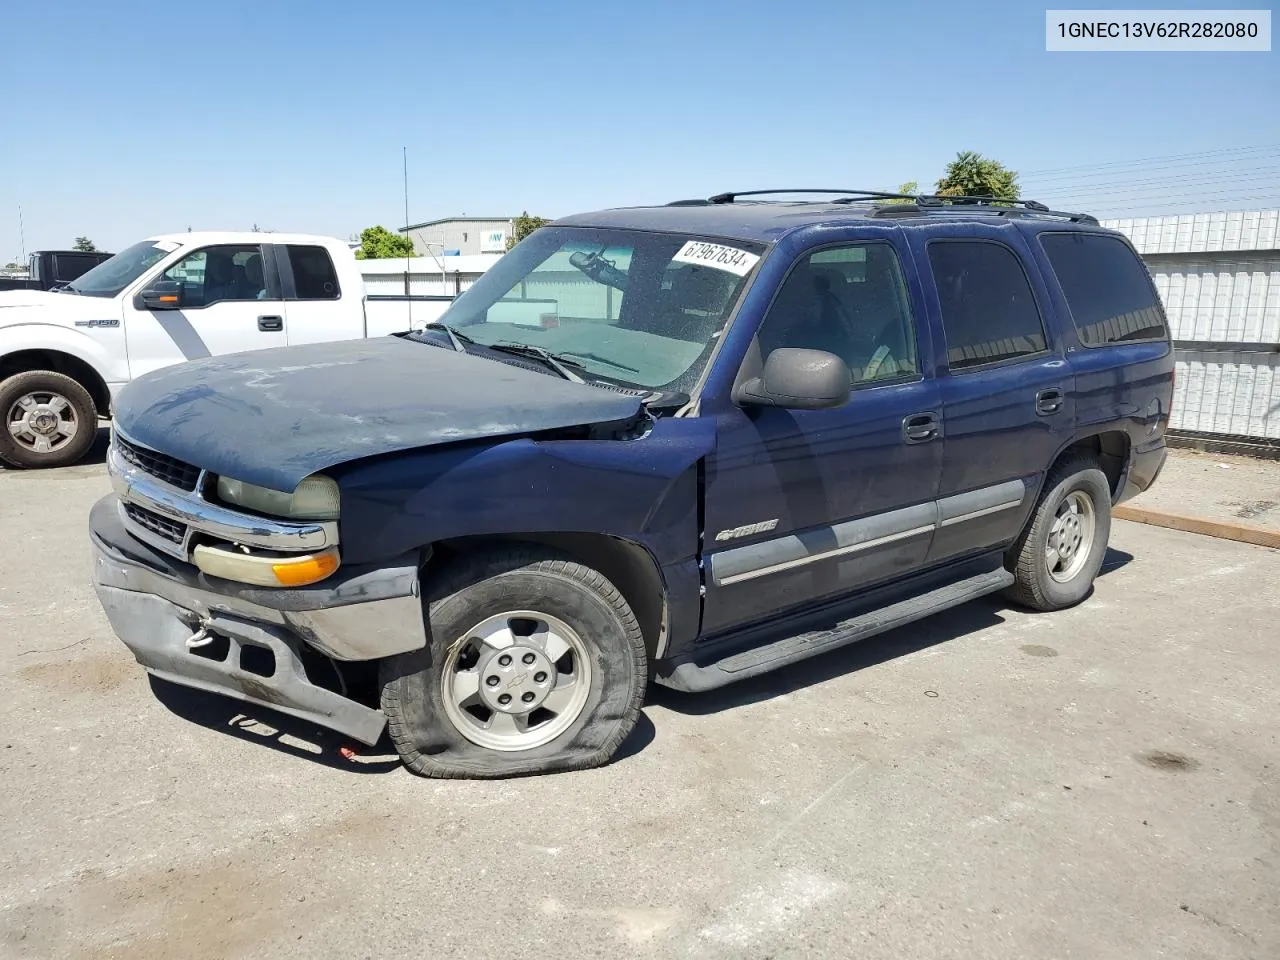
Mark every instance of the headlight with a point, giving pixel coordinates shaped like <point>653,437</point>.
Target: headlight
<point>315,499</point>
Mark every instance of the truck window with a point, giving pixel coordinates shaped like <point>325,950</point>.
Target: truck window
<point>219,274</point>
<point>314,277</point>
<point>850,301</point>
<point>989,314</point>
<point>68,266</point>
<point>1107,289</point>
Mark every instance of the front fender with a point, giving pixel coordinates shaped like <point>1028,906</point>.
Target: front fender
<point>101,347</point>
<point>643,490</point>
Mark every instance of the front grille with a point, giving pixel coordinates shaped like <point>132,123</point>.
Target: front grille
<point>171,470</point>
<point>171,530</point>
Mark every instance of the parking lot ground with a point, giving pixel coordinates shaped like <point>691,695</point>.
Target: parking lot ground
<point>1224,489</point>
<point>1098,783</point>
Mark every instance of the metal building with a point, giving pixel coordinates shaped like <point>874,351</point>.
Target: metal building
<point>1219,277</point>
<point>460,236</point>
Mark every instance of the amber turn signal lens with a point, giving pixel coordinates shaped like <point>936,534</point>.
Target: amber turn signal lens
<point>305,570</point>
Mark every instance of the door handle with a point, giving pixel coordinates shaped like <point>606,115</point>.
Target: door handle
<point>1049,401</point>
<point>919,427</point>
<point>271,323</point>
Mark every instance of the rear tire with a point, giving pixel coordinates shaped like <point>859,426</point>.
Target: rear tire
<point>1058,555</point>
<point>49,420</point>
<point>524,625</point>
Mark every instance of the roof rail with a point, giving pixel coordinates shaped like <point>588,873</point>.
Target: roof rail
<point>867,194</point>
<point>918,203</point>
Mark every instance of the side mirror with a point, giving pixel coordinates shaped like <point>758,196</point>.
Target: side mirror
<point>162,295</point>
<point>799,379</point>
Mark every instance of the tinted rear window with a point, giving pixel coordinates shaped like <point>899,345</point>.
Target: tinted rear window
<point>313,273</point>
<point>1107,288</point>
<point>988,311</point>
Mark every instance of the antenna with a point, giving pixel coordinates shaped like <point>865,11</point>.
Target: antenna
<point>22,235</point>
<point>409,253</point>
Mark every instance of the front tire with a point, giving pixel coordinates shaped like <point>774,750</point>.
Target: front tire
<point>49,420</point>
<point>533,664</point>
<point>1060,552</point>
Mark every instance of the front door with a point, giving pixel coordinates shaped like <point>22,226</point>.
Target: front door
<point>1007,391</point>
<point>803,505</point>
<point>230,302</point>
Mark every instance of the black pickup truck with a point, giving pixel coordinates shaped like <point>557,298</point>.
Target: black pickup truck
<point>684,444</point>
<point>52,268</point>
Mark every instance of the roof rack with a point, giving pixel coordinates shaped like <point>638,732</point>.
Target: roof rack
<point>920,204</point>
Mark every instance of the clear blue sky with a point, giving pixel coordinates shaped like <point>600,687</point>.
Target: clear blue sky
<point>128,119</point>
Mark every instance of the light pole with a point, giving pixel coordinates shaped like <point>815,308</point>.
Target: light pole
<point>444,283</point>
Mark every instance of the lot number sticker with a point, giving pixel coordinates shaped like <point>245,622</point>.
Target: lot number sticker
<point>714,255</point>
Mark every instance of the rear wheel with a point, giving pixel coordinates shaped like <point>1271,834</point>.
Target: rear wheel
<point>1056,559</point>
<point>49,420</point>
<point>534,663</point>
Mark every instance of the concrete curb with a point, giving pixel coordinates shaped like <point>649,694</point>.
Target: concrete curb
<point>1243,532</point>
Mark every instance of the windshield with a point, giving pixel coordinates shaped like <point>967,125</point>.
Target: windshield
<point>111,276</point>
<point>638,308</point>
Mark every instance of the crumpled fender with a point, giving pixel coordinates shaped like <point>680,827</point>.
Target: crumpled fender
<point>643,490</point>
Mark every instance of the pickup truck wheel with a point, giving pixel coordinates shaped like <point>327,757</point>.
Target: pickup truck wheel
<point>49,420</point>
<point>1056,559</point>
<point>534,664</point>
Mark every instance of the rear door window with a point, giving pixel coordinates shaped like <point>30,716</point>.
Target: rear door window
<point>1107,289</point>
<point>989,313</point>
<point>314,277</point>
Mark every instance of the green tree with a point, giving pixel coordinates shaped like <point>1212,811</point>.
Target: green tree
<point>85,245</point>
<point>973,175</point>
<point>911,187</point>
<point>523,226</point>
<point>379,243</point>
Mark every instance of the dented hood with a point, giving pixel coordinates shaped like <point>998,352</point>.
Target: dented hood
<point>273,417</point>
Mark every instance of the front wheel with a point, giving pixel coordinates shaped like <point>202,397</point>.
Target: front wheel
<point>534,663</point>
<point>1056,559</point>
<point>49,420</point>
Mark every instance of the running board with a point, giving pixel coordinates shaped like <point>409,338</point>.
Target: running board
<point>693,678</point>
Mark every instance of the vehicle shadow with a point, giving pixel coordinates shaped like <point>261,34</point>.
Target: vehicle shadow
<point>954,624</point>
<point>270,728</point>
<point>97,453</point>
<point>304,740</point>
<point>299,738</point>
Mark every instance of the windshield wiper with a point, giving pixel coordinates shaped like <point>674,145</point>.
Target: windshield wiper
<point>554,361</point>
<point>455,338</point>
<point>596,357</point>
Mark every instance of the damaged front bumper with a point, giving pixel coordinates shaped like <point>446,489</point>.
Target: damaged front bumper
<point>165,611</point>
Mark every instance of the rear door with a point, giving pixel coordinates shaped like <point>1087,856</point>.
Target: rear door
<point>1007,391</point>
<point>230,302</point>
<point>804,505</point>
<point>316,306</point>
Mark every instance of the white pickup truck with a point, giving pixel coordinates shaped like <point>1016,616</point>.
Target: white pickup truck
<point>165,300</point>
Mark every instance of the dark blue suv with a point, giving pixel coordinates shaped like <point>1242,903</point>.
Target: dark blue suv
<point>684,444</point>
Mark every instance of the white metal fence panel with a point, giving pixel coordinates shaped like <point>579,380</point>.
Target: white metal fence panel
<point>1234,301</point>
<point>1233,393</point>
<point>1202,232</point>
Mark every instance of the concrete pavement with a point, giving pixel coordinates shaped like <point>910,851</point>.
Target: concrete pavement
<point>1099,783</point>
